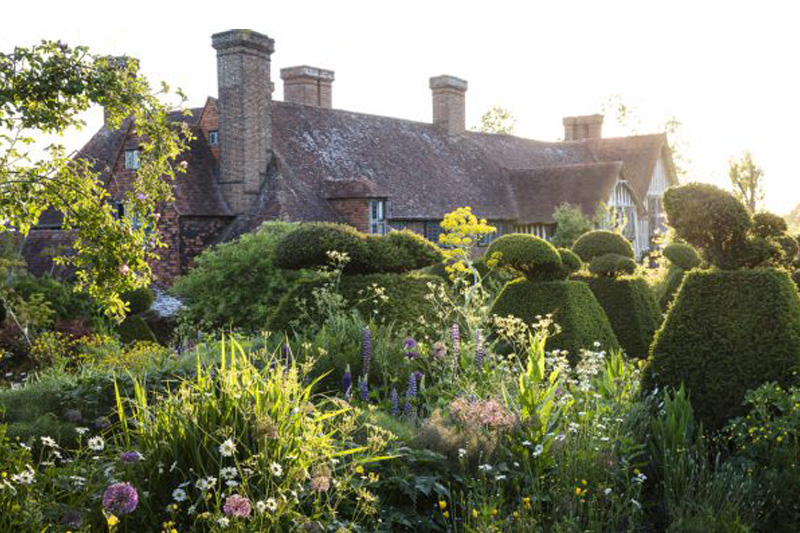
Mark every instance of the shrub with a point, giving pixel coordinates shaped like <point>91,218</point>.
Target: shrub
<point>401,251</point>
<point>139,300</point>
<point>236,284</point>
<point>726,333</point>
<point>571,223</point>
<point>527,255</point>
<point>572,305</point>
<point>612,265</point>
<point>769,225</point>
<point>755,252</point>
<point>602,242</point>
<point>631,309</point>
<point>682,255</point>
<point>404,303</point>
<point>133,329</point>
<point>670,286</point>
<point>710,219</point>
<point>570,261</point>
<point>308,244</point>
<point>59,295</point>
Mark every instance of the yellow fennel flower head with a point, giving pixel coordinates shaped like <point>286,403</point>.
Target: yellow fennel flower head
<point>112,520</point>
<point>526,500</point>
<point>442,505</point>
<point>578,491</point>
<point>359,469</point>
<point>585,482</point>
<point>495,512</point>
<point>446,514</point>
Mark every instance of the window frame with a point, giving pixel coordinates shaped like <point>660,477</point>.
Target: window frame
<point>213,137</point>
<point>133,159</point>
<point>377,216</point>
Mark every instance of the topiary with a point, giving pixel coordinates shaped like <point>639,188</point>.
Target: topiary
<point>602,242</point>
<point>583,321</point>
<point>789,248</point>
<point>711,220</point>
<point>570,261</point>
<point>632,311</point>
<point>682,255</point>
<point>767,224</point>
<point>401,251</point>
<point>727,332</point>
<point>612,265</point>
<point>308,246</point>
<point>670,285</point>
<point>2,311</point>
<point>139,300</point>
<point>526,255</point>
<point>133,329</point>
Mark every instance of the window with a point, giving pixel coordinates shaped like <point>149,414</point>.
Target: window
<point>131,159</point>
<point>432,231</point>
<point>119,210</point>
<point>486,240</point>
<point>377,217</point>
<point>213,137</point>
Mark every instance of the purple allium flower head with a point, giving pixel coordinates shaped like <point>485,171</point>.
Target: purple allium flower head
<point>120,498</point>
<point>237,506</point>
<point>364,389</point>
<point>347,382</point>
<point>394,401</point>
<point>129,458</point>
<point>410,345</point>
<point>479,349</point>
<point>366,351</point>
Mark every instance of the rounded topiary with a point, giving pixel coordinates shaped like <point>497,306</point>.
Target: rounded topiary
<point>682,255</point>
<point>401,251</point>
<point>767,224</point>
<point>790,249</point>
<point>669,287</point>
<point>727,332</point>
<point>308,246</point>
<point>139,300</point>
<point>602,242</point>
<point>573,306</point>
<point>527,255</point>
<point>710,219</point>
<point>570,260</point>
<point>612,265</point>
<point>133,329</point>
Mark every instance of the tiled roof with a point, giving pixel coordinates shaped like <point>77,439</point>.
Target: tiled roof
<point>639,154</point>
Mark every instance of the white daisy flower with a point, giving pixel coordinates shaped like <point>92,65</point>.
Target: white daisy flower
<point>49,441</point>
<point>223,521</point>
<point>261,506</point>
<point>227,448</point>
<point>526,443</point>
<point>232,483</point>
<point>485,468</point>
<point>607,491</point>
<point>96,444</point>
<point>228,472</point>
<point>537,451</point>
<point>462,452</point>
<point>272,505</point>
<point>276,469</point>
<point>179,495</point>
<point>25,477</point>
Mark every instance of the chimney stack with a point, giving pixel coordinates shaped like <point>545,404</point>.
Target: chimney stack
<point>449,103</point>
<point>308,85</point>
<point>245,114</point>
<point>583,127</point>
<point>121,63</point>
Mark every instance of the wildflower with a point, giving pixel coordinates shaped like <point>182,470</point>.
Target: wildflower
<point>526,443</point>
<point>227,448</point>
<point>479,352</point>
<point>526,500</point>
<point>205,484</point>
<point>607,491</point>
<point>411,394</point>
<point>96,444</point>
<point>366,351</point>
<point>410,345</point>
<point>347,382</point>
<point>237,506</point>
<point>439,350</point>
<point>446,515</point>
<point>485,468</point>
<point>474,513</point>
<point>49,441</point>
<point>179,495</point>
<point>129,457</point>
<point>455,337</point>
<point>359,470</point>
<point>495,512</point>
<point>560,437</point>
<point>578,491</point>
<point>442,505</point>
<point>228,472</point>
<point>537,451</point>
<point>120,498</point>
<point>394,401</point>
<point>364,386</point>
<point>501,477</point>
<point>223,521</point>
<point>261,506</point>
<point>462,453</point>
<point>112,521</point>
<point>231,483</point>
<point>272,505</point>
<point>276,469</point>
<point>81,431</point>
<point>25,477</point>
<point>320,483</point>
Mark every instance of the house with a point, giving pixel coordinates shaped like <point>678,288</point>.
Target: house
<point>256,158</point>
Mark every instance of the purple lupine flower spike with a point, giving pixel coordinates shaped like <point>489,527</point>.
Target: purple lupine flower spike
<point>479,353</point>
<point>364,389</point>
<point>394,401</point>
<point>411,394</point>
<point>366,352</point>
<point>347,383</point>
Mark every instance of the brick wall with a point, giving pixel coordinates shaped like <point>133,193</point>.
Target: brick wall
<point>210,121</point>
<point>196,234</point>
<point>168,266</point>
<point>354,211</point>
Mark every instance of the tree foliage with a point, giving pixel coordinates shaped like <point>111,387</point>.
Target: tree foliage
<point>44,90</point>
<point>747,180</point>
<point>498,120</point>
<point>571,223</point>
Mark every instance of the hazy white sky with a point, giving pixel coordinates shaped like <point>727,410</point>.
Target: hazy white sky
<point>727,70</point>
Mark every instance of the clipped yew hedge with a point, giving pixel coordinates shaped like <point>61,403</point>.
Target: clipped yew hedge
<point>601,242</point>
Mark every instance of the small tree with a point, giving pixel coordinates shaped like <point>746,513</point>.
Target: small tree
<point>571,223</point>
<point>747,180</point>
<point>498,120</point>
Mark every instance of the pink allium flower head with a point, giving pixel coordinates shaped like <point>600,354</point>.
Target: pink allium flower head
<point>120,498</point>
<point>237,506</point>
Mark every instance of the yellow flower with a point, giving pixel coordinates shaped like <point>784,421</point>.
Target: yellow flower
<point>584,482</point>
<point>4,475</point>
<point>526,500</point>
<point>173,530</point>
<point>446,514</point>
<point>495,512</point>
<point>516,514</point>
<point>112,520</point>
<point>474,513</point>
<point>442,505</point>
<point>359,469</point>
<point>578,491</point>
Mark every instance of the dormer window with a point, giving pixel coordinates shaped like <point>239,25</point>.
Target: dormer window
<point>377,217</point>
<point>131,159</point>
<point>213,137</point>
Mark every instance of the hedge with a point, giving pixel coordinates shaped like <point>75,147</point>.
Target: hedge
<point>406,302</point>
<point>570,261</point>
<point>400,251</point>
<point>682,255</point>
<point>308,245</point>
<point>139,300</point>
<point>612,265</point>
<point>527,255</point>
<point>670,286</point>
<point>572,305</point>
<point>602,242</point>
<point>134,329</point>
<point>727,333</point>
<point>632,311</point>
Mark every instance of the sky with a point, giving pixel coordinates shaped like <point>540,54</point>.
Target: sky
<point>728,71</point>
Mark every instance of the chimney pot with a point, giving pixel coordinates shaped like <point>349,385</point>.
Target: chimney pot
<point>308,85</point>
<point>449,95</point>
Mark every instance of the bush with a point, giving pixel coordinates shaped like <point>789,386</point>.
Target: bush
<point>236,284</point>
<point>601,242</point>
<point>571,223</point>
<point>726,333</point>
<point>59,295</point>
<point>710,219</point>
<point>405,300</point>
<point>401,251</point>
<point>769,225</point>
<point>570,260</point>
<point>133,329</point>
<point>139,300</point>
<point>527,255</point>
<point>308,244</point>
<point>612,265</point>
<point>631,309</point>
<point>670,286</point>
<point>572,305</point>
<point>789,248</point>
<point>682,255</point>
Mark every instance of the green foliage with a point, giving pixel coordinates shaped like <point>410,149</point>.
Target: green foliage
<point>572,304</point>
<point>134,329</point>
<point>236,284</point>
<point>46,90</point>
<point>612,265</point>
<point>401,251</point>
<point>747,180</point>
<point>571,223</point>
<point>713,221</point>
<point>527,255</point>
<point>390,298</point>
<point>631,309</point>
<point>60,296</point>
<point>682,255</point>
<point>767,224</point>
<point>789,248</point>
<point>570,261</point>
<point>602,242</point>
<point>139,300</point>
<point>670,286</point>
<point>498,120</point>
<point>728,332</point>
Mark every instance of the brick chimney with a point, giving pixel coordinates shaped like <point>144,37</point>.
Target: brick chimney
<point>583,127</point>
<point>308,85</point>
<point>449,103</point>
<point>245,117</point>
<point>121,63</point>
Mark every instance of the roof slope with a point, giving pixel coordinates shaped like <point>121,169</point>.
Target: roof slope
<point>639,154</point>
